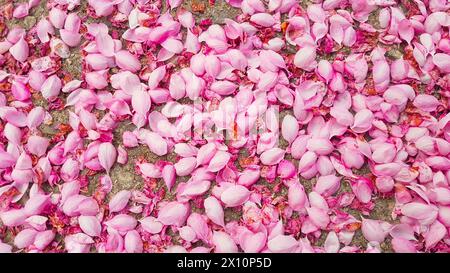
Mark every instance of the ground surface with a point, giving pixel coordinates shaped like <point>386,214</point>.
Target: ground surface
<point>124,176</point>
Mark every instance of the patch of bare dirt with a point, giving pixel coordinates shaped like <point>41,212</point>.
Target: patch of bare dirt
<point>202,9</point>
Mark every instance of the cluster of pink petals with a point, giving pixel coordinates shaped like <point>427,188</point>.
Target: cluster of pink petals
<point>199,91</point>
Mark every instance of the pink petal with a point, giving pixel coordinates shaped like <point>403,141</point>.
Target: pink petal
<point>206,153</point>
<point>172,45</point>
<point>235,195</point>
<point>298,147</point>
<point>438,162</point>
<point>174,213</point>
<point>107,155</point>
<point>399,70</point>
<point>218,161</point>
<point>326,167</point>
<point>191,189</point>
<point>442,61</point>
<point>36,204</point>
<point>282,244</point>
<point>405,30</point>
<point>20,91</point>
<point>248,177</point>
<point>286,169</point>
<point>156,76</point>
<point>305,58</point>
<point>289,128</point>
<point>21,10</point>
<point>156,143</point>
<point>214,210</point>
<point>436,233</point>
<point>363,121</point>
<point>151,225</point>
<point>401,245</point>
<point>127,61</point>
<point>403,231</point>
<point>43,239</point>
<point>105,44</point>
<point>141,102</point>
<point>327,185</point>
<point>122,223</point>
<point>320,146</point>
<point>150,170</point>
<point>185,166</point>
<point>427,103</point>
<point>307,160</point>
<point>43,28</point>
<point>37,145</point>
<point>223,243</point>
<point>71,39</point>
<point>362,190</point>
<point>272,156</point>
<point>12,218</point>
<point>297,199</point>
<point>51,87</point>
<point>198,223</point>
<point>373,230</point>
<point>57,17</point>
<point>90,225</point>
<point>418,210</point>
<point>252,242</point>
<point>119,201</point>
<point>331,243</point>
<point>7,160</point>
<point>133,242</point>
<point>12,134</point>
<point>102,7</point>
<point>263,19</point>
<point>223,87</point>
<point>168,175</point>
<point>212,65</point>
<point>25,238</point>
<point>20,50</point>
<point>318,216</point>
